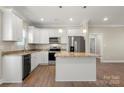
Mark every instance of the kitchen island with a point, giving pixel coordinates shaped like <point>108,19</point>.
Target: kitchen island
<point>75,66</point>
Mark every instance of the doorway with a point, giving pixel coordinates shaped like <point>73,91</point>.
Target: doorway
<point>96,43</point>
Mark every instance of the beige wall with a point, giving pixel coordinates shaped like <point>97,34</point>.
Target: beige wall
<point>113,42</point>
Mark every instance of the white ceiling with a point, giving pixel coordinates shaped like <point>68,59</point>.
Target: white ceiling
<point>55,16</point>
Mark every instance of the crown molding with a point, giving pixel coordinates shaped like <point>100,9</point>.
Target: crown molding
<point>75,26</point>
<point>58,26</point>
<point>106,26</point>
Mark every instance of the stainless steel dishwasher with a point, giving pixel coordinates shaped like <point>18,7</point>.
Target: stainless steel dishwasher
<point>26,65</point>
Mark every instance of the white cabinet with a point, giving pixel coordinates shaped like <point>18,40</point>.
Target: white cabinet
<point>12,26</point>
<point>54,33</point>
<point>64,37</point>
<point>75,32</point>
<point>0,65</point>
<point>44,37</point>
<point>33,35</point>
<point>44,57</point>
<point>12,69</point>
<point>37,36</point>
<point>38,58</point>
<point>35,60</point>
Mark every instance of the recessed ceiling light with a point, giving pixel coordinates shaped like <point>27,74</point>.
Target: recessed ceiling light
<point>71,19</point>
<point>42,19</point>
<point>105,19</point>
<point>60,30</point>
<point>84,31</point>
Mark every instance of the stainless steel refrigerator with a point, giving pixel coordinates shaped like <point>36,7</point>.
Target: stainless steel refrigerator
<point>76,44</point>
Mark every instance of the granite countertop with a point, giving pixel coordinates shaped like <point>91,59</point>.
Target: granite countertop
<point>22,52</point>
<point>74,54</point>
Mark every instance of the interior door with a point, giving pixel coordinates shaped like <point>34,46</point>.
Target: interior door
<point>96,43</point>
<point>92,45</point>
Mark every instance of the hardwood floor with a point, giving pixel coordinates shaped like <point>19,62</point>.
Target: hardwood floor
<point>108,75</point>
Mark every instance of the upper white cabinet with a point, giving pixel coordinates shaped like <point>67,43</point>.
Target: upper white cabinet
<point>12,26</point>
<point>37,36</point>
<point>64,37</point>
<point>41,36</point>
<point>44,36</point>
<point>31,32</point>
<point>75,32</point>
<point>33,35</point>
<point>53,33</point>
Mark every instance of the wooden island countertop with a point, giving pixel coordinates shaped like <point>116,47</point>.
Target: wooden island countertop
<point>74,54</point>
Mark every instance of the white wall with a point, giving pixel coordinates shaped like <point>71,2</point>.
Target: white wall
<point>113,43</point>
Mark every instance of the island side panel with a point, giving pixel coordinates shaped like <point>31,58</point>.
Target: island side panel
<point>76,69</point>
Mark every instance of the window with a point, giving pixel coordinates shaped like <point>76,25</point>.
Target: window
<point>22,42</point>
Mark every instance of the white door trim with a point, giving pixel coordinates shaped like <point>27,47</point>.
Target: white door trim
<point>102,36</point>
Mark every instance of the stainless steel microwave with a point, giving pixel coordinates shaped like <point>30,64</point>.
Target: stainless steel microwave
<point>54,40</point>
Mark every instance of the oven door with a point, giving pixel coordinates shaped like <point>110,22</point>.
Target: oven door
<point>52,56</point>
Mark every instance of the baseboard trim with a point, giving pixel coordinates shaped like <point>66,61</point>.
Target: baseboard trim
<point>112,61</point>
<point>43,64</point>
<point>12,81</point>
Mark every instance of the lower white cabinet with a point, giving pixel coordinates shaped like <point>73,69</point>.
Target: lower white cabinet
<point>12,65</point>
<point>44,57</point>
<point>0,66</point>
<point>38,58</point>
<point>12,69</point>
<point>34,62</point>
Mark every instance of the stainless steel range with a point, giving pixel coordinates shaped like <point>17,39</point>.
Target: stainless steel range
<point>52,52</point>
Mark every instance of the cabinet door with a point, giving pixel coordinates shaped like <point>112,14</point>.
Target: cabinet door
<point>19,29</point>
<point>33,60</point>
<point>44,57</point>
<point>39,58</point>
<point>7,26</point>
<point>12,68</point>
<point>30,35</point>
<point>33,35</point>
<point>64,37</point>
<point>44,37</point>
<point>36,36</point>
<point>54,33</point>
<point>12,26</point>
<point>75,32</point>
